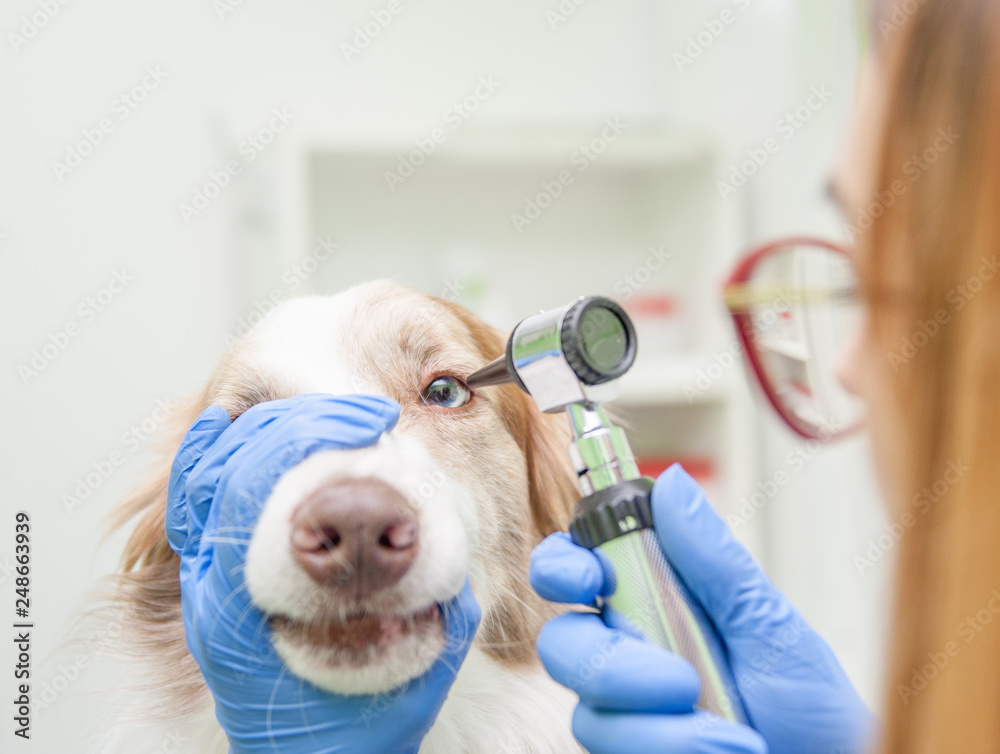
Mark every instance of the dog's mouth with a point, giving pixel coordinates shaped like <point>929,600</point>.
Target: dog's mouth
<point>358,639</point>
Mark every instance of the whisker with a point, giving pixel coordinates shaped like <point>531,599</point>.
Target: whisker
<point>226,540</point>
<point>233,529</point>
<point>222,608</point>
<point>270,707</point>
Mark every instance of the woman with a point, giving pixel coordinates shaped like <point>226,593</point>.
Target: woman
<point>936,251</point>
<point>920,190</point>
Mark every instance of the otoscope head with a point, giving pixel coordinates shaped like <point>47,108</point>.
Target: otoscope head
<point>569,355</point>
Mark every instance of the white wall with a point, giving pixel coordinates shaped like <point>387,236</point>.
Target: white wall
<point>158,339</point>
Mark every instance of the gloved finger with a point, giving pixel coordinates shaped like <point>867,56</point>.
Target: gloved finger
<point>697,733</point>
<point>349,421</point>
<point>611,670</point>
<point>718,570</point>
<point>362,411</point>
<point>564,572</point>
<point>199,438</point>
<point>324,423</point>
<point>295,426</point>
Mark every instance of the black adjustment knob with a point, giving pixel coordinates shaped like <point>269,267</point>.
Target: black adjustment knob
<point>613,512</point>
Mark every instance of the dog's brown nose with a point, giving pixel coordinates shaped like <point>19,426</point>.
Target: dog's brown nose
<point>358,535</point>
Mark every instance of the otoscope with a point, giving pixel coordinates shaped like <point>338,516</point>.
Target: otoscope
<point>570,359</point>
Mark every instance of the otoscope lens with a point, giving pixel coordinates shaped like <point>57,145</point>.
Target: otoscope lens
<point>604,341</point>
<point>597,340</point>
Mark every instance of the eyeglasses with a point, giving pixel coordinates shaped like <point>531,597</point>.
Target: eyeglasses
<point>796,308</point>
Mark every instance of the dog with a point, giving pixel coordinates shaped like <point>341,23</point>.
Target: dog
<point>463,487</point>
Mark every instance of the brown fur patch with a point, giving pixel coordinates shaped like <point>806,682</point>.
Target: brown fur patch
<point>142,606</point>
<point>543,440</point>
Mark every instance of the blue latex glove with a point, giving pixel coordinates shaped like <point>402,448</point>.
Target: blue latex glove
<point>222,474</point>
<point>637,697</point>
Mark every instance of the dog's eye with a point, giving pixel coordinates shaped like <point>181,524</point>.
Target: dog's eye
<point>447,392</point>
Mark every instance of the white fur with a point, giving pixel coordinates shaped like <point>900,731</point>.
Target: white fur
<point>493,711</point>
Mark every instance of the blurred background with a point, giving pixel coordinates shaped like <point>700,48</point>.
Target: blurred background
<point>172,170</point>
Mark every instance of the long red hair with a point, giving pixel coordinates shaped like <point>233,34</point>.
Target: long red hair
<point>940,241</point>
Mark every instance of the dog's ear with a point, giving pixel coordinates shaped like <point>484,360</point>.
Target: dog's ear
<point>147,545</point>
<point>551,477</point>
<point>143,600</point>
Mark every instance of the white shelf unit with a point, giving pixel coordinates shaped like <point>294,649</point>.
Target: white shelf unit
<point>448,228</point>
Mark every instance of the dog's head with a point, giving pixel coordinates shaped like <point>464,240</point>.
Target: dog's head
<point>355,549</point>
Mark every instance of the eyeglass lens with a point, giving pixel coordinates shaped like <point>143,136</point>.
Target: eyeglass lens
<point>804,313</point>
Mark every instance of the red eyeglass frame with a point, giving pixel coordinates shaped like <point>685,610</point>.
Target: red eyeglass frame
<point>743,322</point>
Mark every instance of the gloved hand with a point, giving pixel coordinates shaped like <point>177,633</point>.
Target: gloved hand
<point>637,697</point>
<point>222,474</point>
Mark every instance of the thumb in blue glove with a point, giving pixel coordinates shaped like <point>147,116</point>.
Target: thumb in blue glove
<point>796,694</point>
<point>222,474</point>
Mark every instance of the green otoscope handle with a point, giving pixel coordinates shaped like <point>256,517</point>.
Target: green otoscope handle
<point>649,594</point>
